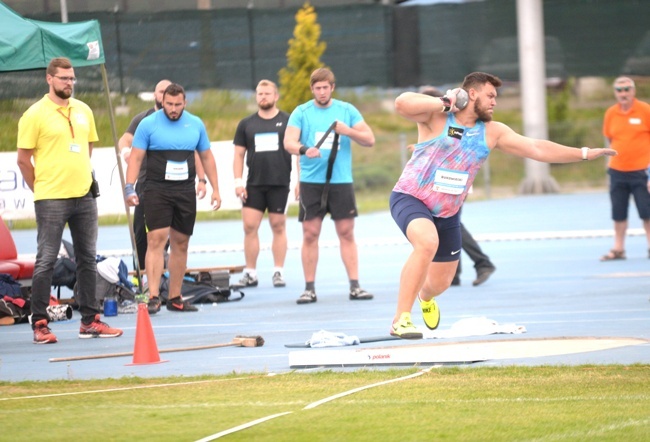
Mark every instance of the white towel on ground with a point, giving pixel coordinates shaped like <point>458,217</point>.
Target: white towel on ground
<point>474,327</point>
<point>324,338</point>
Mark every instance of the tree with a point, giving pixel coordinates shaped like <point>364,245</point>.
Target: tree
<point>303,57</point>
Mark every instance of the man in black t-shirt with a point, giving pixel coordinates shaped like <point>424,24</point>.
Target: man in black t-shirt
<point>260,139</point>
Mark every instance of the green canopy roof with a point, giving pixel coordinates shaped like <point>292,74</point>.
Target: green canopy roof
<point>31,44</point>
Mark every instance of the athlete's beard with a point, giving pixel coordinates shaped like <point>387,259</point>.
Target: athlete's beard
<point>324,103</point>
<point>63,93</point>
<point>482,114</point>
<point>158,104</point>
<point>266,105</point>
<point>173,118</point>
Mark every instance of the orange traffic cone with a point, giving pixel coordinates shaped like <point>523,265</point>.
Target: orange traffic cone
<point>145,350</point>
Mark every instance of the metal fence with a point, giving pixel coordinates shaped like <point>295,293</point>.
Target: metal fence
<point>367,45</point>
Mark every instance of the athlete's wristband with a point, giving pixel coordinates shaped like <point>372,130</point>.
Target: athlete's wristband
<point>239,182</point>
<point>129,190</point>
<point>303,150</point>
<point>203,180</point>
<point>585,152</point>
<point>446,103</point>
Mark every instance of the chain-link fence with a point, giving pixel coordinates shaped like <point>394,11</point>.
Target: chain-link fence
<point>367,45</point>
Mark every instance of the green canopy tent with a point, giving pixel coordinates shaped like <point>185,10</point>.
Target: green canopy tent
<point>30,44</point>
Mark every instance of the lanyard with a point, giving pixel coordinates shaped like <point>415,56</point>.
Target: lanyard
<point>69,120</point>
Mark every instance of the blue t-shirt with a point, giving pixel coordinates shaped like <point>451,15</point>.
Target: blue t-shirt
<point>157,132</point>
<point>313,122</point>
<point>170,146</point>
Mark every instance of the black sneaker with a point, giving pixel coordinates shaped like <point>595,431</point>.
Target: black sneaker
<point>153,306</point>
<point>248,281</point>
<point>483,275</point>
<point>178,305</point>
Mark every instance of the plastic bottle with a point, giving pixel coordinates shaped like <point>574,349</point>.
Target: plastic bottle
<point>110,305</point>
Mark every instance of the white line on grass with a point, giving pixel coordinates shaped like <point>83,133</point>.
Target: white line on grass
<point>139,387</point>
<point>356,390</point>
<point>242,427</point>
<point>594,432</point>
<point>312,405</point>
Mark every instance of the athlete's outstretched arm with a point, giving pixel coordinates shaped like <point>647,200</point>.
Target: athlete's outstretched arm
<point>509,141</point>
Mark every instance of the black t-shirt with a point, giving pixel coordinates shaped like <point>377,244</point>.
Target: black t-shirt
<point>268,163</point>
<point>132,127</point>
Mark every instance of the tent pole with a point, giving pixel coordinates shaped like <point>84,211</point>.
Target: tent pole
<point>136,262</point>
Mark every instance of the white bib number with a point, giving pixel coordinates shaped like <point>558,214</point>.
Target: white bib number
<point>176,171</point>
<point>448,181</point>
<point>327,144</point>
<point>266,142</point>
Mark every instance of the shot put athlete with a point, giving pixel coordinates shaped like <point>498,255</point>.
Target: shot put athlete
<point>425,202</point>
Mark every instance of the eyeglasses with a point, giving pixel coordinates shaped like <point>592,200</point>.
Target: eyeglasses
<point>623,89</point>
<point>66,79</point>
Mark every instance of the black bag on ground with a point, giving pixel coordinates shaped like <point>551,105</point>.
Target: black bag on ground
<point>198,292</point>
<point>65,269</point>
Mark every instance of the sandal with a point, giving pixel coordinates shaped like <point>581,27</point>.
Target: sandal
<point>613,255</point>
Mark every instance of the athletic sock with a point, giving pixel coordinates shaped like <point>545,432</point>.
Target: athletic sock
<point>310,286</point>
<point>251,272</point>
<point>278,269</point>
<point>354,284</point>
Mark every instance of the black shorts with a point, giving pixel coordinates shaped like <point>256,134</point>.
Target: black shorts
<point>340,202</point>
<point>624,184</point>
<point>405,208</point>
<point>170,208</point>
<point>273,198</point>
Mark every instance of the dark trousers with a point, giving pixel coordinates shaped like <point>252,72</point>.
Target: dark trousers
<point>471,247</point>
<point>51,217</point>
<point>139,228</point>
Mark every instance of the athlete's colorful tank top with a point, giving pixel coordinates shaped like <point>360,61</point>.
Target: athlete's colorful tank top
<point>441,170</point>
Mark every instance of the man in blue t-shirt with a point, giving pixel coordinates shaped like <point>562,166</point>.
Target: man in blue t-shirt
<point>169,139</point>
<point>320,131</point>
<point>124,144</point>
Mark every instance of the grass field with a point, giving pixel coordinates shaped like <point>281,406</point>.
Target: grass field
<point>547,403</point>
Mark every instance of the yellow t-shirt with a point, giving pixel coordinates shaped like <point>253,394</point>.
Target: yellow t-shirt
<point>59,137</point>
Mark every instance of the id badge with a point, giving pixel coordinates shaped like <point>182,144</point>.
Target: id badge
<point>75,148</point>
<point>327,144</point>
<point>176,171</point>
<point>267,142</point>
<point>452,182</point>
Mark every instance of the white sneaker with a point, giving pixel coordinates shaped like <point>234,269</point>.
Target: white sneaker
<point>248,281</point>
<point>278,281</point>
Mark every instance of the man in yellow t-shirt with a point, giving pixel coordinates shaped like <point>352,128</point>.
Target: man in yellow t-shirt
<point>627,129</point>
<point>58,133</point>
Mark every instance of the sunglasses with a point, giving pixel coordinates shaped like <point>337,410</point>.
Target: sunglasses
<point>622,89</point>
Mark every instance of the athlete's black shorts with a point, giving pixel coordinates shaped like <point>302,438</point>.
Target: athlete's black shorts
<point>405,208</point>
<point>341,203</point>
<point>624,184</point>
<point>170,208</point>
<point>273,198</point>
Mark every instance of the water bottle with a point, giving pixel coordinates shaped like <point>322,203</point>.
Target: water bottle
<point>110,305</point>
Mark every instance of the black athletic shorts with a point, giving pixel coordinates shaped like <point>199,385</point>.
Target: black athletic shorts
<point>341,203</point>
<point>273,198</point>
<point>170,208</point>
<point>624,184</point>
<point>405,208</point>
